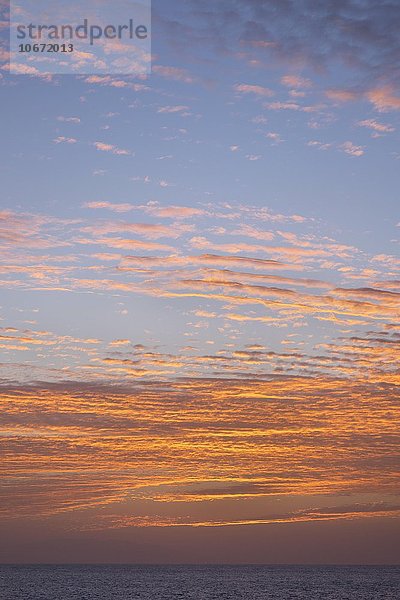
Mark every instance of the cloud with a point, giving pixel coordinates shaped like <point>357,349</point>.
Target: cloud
<point>172,73</point>
<point>275,137</point>
<point>124,243</point>
<point>376,126</point>
<point>201,243</point>
<point>173,109</point>
<point>257,90</point>
<point>64,140</point>
<point>21,69</point>
<point>23,230</point>
<point>319,145</point>
<point>296,254</point>
<point>290,106</point>
<point>253,157</point>
<point>243,279</point>
<point>341,95</point>
<point>115,82</point>
<point>111,148</point>
<point>295,81</point>
<point>352,149</point>
<point>253,232</point>
<point>276,347</point>
<point>74,120</point>
<point>384,99</point>
<point>120,343</point>
<point>355,43</point>
<point>174,212</point>
<point>298,282</point>
<point>188,422</point>
<point>146,230</point>
<point>119,208</point>
<point>205,259</point>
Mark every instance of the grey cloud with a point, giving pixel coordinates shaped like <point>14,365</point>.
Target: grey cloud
<point>361,35</point>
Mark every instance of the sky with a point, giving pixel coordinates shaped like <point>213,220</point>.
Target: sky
<point>199,308</point>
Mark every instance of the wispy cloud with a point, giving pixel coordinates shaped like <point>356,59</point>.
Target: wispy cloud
<point>103,147</point>
<point>352,149</point>
<point>173,73</point>
<point>257,90</point>
<point>173,109</point>
<point>376,126</point>
<point>64,140</point>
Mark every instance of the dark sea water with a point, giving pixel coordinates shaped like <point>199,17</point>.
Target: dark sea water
<point>198,583</point>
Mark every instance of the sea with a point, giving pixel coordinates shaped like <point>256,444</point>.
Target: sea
<point>128,582</point>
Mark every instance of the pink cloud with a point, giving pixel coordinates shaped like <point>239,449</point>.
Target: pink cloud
<point>258,90</point>
<point>378,127</point>
<point>383,99</point>
<point>319,145</point>
<point>275,137</point>
<point>146,230</point>
<point>124,244</point>
<point>120,208</point>
<point>175,212</point>
<point>117,83</point>
<point>174,73</point>
<point>352,149</point>
<point>295,81</point>
<point>341,95</point>
<point>111,148</point>
<point>64,140</point>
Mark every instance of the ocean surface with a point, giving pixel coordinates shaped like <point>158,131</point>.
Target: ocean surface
<point>109,582</point>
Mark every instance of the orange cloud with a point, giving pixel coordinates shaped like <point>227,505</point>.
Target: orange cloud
<point>174,212</point>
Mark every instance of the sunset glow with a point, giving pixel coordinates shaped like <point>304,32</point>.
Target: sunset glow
<point>199,314</point>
